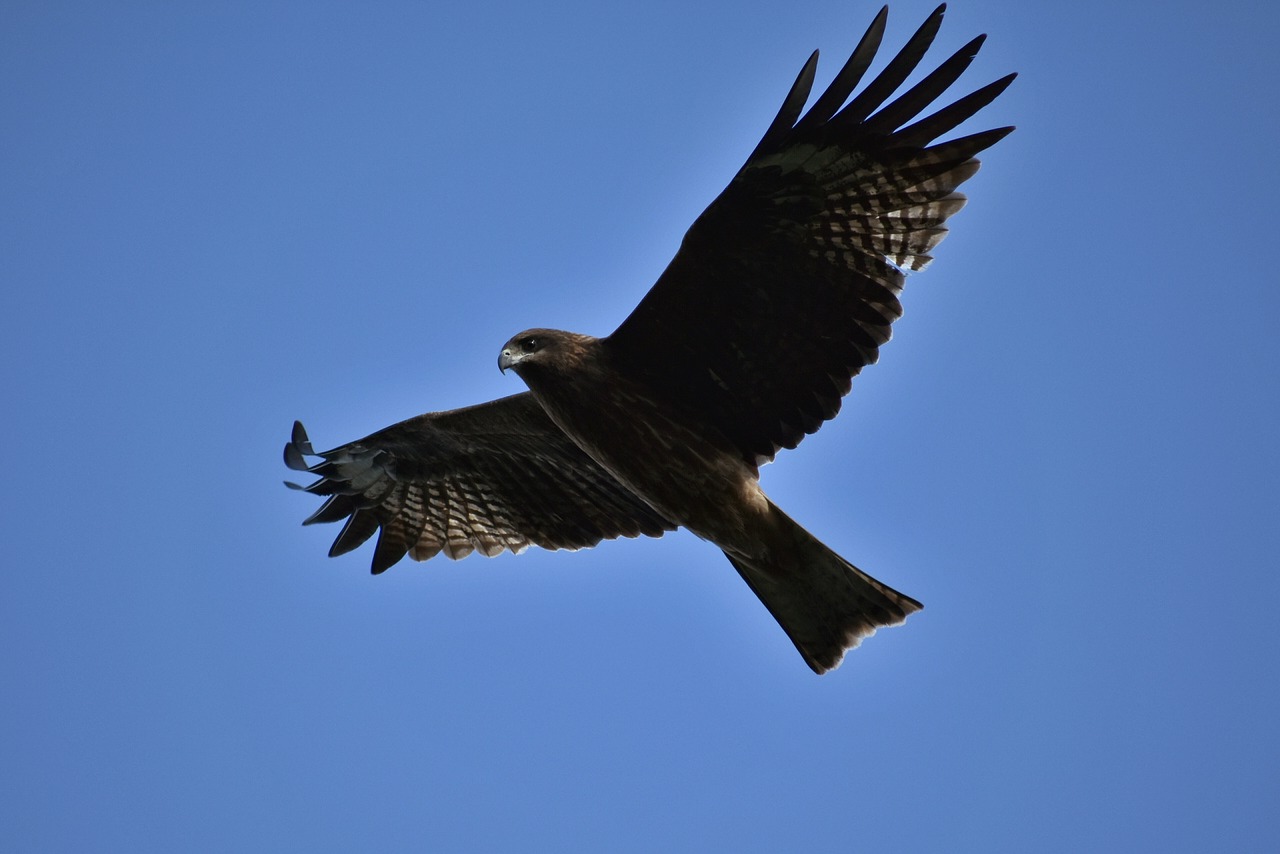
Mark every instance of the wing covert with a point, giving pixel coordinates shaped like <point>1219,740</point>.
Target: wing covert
<point>788,283</point>
<point>486,478</point>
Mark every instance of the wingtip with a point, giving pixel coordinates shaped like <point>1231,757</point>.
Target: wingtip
<point>792,107</point>
<point>335,507</point>
<point>300,438</point>
<point>807,73</point>
<point>879,21</point>
<point>386,554</point>
<point>293,457</point>
<point>298,448</point>
<point>934,22</point>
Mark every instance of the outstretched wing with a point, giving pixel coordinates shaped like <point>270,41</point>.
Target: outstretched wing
<point>486,478</point>
<point>786,286</point>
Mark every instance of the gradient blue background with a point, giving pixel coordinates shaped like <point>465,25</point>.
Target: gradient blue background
<point>222,217</point>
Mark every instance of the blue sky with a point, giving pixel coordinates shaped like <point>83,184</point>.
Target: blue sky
<point>220,218</point>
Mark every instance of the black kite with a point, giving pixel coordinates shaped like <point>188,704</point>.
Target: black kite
<point>783,290</point>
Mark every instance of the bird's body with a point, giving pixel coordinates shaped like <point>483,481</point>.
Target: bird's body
<point>824,603</point>
<point>781,292</point>
<point>701,469</point>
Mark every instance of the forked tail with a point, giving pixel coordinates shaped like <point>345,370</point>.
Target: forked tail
<point>825,604</point>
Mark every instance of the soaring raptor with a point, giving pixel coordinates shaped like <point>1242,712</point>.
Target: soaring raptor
<point>782,290</point>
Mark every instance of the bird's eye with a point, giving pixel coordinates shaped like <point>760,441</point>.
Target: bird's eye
<point>528,345</point>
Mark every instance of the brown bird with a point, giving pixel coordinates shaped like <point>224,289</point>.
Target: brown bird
<point>782,290</point>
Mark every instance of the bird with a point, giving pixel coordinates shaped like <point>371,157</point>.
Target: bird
<point>781,291</point>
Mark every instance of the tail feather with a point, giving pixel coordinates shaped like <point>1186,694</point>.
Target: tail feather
<point>825,604</point>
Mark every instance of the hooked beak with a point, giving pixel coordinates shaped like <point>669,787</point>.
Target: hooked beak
<point>505,359</point>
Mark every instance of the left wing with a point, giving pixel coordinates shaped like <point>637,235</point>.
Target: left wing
<point>485,478</point>
<point>786,286</point>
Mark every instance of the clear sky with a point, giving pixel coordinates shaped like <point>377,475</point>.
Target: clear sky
<point>218,218</point>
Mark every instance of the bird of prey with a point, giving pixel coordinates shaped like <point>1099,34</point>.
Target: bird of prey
<point>781,291</point>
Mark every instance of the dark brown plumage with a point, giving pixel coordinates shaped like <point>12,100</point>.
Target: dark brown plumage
<point>783,290</point>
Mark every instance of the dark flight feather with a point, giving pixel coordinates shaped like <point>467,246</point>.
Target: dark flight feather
<point>846,80</point>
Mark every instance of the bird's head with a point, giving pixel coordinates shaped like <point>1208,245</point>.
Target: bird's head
<point>530,348</point>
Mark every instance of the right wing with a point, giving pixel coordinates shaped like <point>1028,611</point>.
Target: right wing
<point>485,478</point>
<point>787,284</point>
